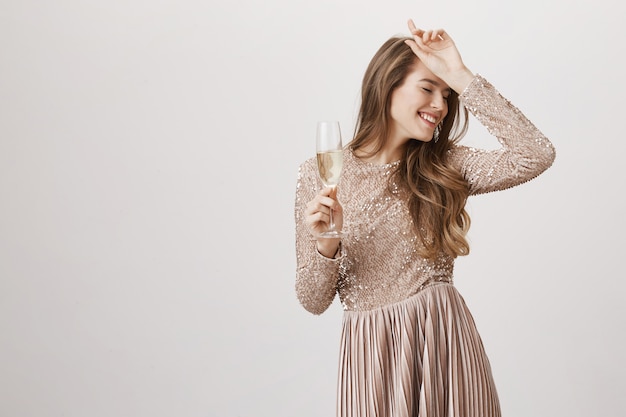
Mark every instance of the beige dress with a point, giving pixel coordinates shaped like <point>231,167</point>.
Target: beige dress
<point>409,345</point>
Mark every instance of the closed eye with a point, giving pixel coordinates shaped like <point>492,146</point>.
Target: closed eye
<point>429,91</point>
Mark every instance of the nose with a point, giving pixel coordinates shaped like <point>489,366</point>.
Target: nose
<point>438,102</point>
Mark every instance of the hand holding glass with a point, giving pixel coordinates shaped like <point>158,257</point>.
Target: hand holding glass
<point>329,163</point>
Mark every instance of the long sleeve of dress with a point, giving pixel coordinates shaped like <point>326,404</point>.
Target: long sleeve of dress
<point>316,275</point>
<point>525,151</point>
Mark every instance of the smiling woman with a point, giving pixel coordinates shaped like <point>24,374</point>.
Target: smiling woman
<point>409,345</point>
<point>148,158</point>
<point>418,106</point>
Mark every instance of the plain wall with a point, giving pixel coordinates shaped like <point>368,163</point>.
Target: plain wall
<point>148,159</point>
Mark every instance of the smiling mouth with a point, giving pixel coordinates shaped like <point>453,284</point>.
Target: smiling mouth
<point>428,118</point>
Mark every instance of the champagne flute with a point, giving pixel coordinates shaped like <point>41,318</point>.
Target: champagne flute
<point>329,163</point>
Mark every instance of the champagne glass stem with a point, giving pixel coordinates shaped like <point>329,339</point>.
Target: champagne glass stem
<point>331,223</point>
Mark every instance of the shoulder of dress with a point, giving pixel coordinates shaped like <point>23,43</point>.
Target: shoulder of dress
<point>307,165</point>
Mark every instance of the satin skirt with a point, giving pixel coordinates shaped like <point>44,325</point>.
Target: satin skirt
<point>421,357</point>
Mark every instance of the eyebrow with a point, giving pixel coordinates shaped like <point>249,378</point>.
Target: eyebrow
<point>435,83</point>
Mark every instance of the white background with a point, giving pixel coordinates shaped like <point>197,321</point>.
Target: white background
<point>148,158</point>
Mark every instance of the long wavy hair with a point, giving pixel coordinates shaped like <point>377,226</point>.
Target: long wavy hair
<point>438,192</point>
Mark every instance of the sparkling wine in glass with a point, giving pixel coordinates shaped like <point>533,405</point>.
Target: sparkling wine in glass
<point>329,162</point>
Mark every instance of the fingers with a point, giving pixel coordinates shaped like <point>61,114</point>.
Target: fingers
<point>433,35</point>
<point>413,29</point>
<point>329,191</point>
<point>426,36</point>
<point>317,218</point>
<point>315,208</point>
<point>322,204</point>
<point>319,208</point>
<point>414,47</point>
<point>328,197</point>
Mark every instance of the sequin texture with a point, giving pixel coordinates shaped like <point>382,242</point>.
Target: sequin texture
<point>379,262</point>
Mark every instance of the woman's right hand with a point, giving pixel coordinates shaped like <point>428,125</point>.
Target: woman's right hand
<point>436,50</point>
<point>317,219</point>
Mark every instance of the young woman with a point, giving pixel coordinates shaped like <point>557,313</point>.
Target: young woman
<point>409,345</point>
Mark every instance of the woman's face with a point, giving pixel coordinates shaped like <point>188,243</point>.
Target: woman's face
<point>418,105</point>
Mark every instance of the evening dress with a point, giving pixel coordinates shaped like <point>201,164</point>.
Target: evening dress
<point>409,345</point>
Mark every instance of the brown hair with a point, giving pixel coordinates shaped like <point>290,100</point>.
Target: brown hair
<point>438,192</point>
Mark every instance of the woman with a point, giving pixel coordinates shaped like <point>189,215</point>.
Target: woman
<point>409,345</point>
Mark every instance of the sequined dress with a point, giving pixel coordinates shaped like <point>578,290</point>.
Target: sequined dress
<point>409,345</point>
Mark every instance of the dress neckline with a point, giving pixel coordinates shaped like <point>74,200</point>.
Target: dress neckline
<point>371,164</point>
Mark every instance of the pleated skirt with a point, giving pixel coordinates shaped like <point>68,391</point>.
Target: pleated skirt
<point>421,357</point>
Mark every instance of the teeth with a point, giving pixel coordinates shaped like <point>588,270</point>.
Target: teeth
<point>428,117</point>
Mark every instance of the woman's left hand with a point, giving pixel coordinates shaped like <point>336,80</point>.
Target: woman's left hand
<point>436,49</point>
